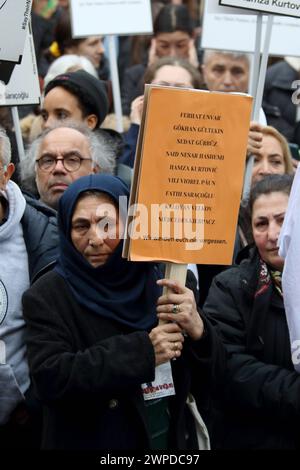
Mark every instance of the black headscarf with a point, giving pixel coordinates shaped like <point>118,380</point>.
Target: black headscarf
<point>120,290</point>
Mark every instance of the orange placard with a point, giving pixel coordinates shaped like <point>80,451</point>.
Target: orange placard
<point>188,176</point>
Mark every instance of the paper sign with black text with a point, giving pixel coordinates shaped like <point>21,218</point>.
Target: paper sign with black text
<point>184,198</point>
<point>273,7</point>
<point>23,87</point>
<point>14,17</point>
<point>236,31</point>
<point>106,17</point>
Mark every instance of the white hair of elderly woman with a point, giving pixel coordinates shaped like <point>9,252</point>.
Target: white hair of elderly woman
<point>69,63</point>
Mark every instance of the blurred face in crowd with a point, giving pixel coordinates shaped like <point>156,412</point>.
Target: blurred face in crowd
<point>96,228</point>
<point>174,44</point>
<point>6,172</point>
<point>268,160</point>
<point>267,218</point>
<point>38,6</point>
<point>3,169</point>
<point>60,105</point>
<point>63,3</point>
<point>61,143</point>
<point>223,72</point>
<point>92,48</point>
<point>173,75</point>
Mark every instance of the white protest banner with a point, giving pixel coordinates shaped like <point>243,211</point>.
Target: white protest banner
<point>214,7</point>
<point>106,17</point>
<point>14,16</point>
<point>290,250</point>
<point>236,32</point>
<point>290,8</point>
<point>23,87</point>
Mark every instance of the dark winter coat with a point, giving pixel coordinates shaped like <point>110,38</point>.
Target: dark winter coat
<point>261,400</point>
<point>40,236</point>
<point>88,370</point>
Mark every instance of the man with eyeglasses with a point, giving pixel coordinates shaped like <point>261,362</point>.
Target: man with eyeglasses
<point>28,247</point>
<point>60,156</point>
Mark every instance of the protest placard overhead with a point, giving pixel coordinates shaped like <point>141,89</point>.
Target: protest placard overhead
<point>14,17</point>
<point>23,87</point>
<point>237,27</point>
<point>110,17</point>
<point>290,8</point>
<point>188,176</point>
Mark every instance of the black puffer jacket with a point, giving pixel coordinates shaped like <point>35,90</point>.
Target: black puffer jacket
<point>41,237</point>
<point>259,407</point>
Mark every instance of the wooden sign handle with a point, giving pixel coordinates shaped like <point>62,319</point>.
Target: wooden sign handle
<point>176,272</point>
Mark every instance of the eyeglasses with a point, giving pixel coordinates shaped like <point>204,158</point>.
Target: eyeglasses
<point>3,168</point>
<point>70,162</point>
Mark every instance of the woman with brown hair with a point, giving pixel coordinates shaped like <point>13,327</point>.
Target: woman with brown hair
<point>273,156</point>
<point>91,47</point>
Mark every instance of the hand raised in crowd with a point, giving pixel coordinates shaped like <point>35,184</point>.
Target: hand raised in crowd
<point>193,56</point>
<point>137,110</point>
<point>255,138</point>
<point>152,57</point>
<point>179,306</point>
<point>167,341</point>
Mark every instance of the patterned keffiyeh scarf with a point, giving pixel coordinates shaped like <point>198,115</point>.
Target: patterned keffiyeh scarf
<point>266,277</point>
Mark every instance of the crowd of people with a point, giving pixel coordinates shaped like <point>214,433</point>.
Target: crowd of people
<point>87,338</point>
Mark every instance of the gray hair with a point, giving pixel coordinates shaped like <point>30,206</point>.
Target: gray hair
<point>103,153</point>
<point>209,53</point>
<point>5,154</point>
<point>69,63</point>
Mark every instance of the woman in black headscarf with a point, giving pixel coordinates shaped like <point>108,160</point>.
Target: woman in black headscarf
<point>93,340</point>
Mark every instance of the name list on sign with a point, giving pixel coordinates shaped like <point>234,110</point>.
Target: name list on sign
<point>182,163</point>
<point>192,142</point>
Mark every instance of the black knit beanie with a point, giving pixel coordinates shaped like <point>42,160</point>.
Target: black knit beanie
<point>93,90</point>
